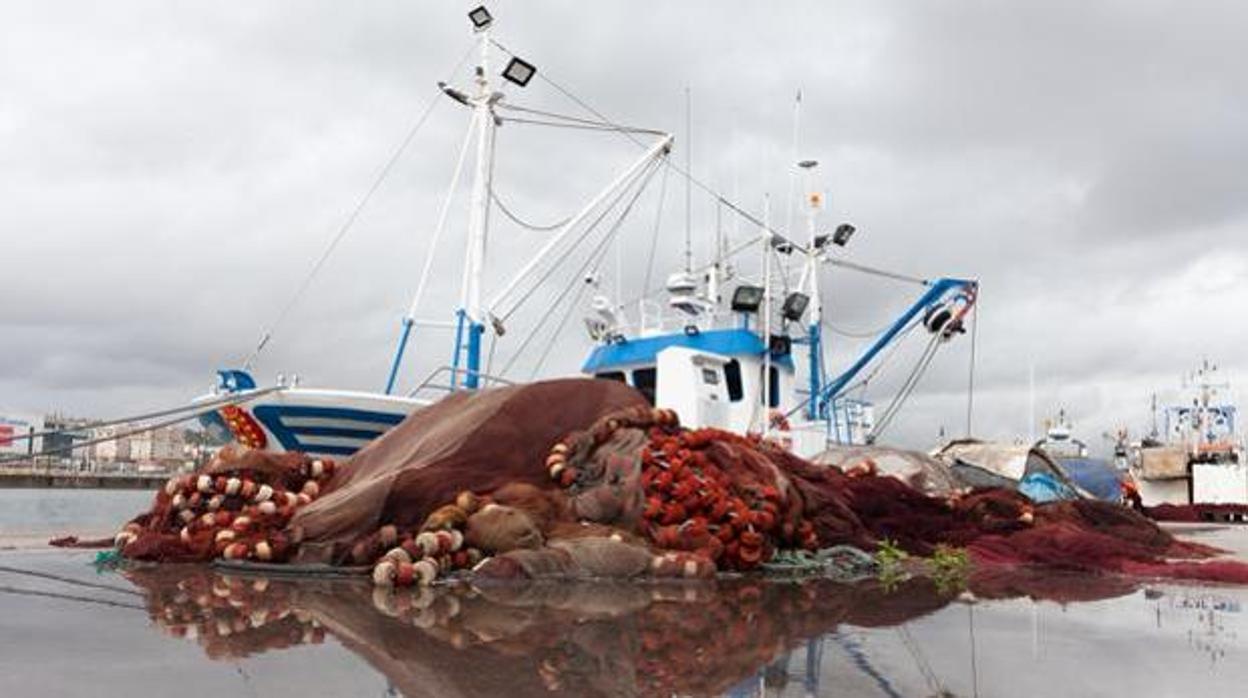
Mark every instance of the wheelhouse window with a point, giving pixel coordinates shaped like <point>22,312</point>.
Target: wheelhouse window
<point>732,376</point>
<point>644,380</point>
<point>611,376</point>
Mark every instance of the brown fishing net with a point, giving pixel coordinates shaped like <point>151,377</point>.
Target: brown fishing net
<point>582,478</point>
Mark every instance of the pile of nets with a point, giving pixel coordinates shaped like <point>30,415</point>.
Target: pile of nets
<point>1196,513</point>
<point>582,478</point>
<point>237,508</point>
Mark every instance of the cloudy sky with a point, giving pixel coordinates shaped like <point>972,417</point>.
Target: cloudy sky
<point>171,170</point>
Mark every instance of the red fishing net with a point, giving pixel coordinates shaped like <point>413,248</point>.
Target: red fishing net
<point>582,478</point>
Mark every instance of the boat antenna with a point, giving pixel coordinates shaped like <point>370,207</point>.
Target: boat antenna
<point>688,184</point>
<point>788,200</point>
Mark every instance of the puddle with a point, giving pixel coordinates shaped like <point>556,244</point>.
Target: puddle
<point>1015,633</point>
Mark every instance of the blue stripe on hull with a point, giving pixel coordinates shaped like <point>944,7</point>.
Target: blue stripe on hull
<point>366,434</point>
<point>273,416</point>
<point>330,450</point>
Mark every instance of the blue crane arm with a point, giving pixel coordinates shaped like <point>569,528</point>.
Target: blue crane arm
<point>935,293</point>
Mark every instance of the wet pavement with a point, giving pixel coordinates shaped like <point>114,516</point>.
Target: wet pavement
<point>68,629</point>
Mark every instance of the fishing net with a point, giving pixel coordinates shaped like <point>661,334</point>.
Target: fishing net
<point>582,478</point>
<point>1197,513</point>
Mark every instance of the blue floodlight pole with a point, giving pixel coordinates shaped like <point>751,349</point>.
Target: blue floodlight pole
<point>814,337</point>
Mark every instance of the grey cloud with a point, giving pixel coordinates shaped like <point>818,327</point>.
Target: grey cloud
<point>172,170</point>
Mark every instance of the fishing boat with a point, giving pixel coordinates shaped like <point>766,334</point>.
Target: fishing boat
<point>1095,476</point>
<point>1194,453</point>
<point>722,347</point>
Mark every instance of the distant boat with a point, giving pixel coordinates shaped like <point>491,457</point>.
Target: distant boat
<point>1096,476</point>
<point>1194,453</point>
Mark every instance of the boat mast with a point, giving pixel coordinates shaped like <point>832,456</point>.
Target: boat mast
<point>470,318</point>
<point>767,311</point>
<point>814,200</point>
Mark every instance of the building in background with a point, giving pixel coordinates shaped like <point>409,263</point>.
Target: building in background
<point>160,448</point>
<point>63,433</point>
<point>115,449</point>
<point>13,429</point>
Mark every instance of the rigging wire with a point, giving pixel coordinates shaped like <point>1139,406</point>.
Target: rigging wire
<point>351,218</point>
<point>68,597</point>
<point>215,402</point>
<point>567,313</point>
<point>854,334</point>
<point>908,387</point>
<point>884,360</point>
<point>606,125</point>
<point>5,569</point>
<point>580,127</point>
<point>873,271</point>
<point>204,408</point>
<point>892,350</point>
<point>970,387</point>
<point>643,179</point>
<point>522,223</point>
<point>654,236</point>
<point>684,173</point>
<point>645,174</point>
<point>599,253</point>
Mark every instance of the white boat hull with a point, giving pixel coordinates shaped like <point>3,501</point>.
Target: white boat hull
<point>317,422</point>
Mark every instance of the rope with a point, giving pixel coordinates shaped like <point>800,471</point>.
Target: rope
<point>567,314</point>
<point>580,127</point>
<point>227,399</point>
<point>68,597</point>
<point>970,380</point>
<point>350,221</point>
<point>597,256</point>
<point>873,271</point>
<point>67,580</point>
<point>528,226</point>
<point>892,349</point>
<point>205,409</point>
<point>854,334</point>
<point>606,209</point>
<point>644,179</point>
<point>658,217</point>
<point>908,387</point>
<point>884,360</point>
<point>688,176</point>
<point>601,124</point>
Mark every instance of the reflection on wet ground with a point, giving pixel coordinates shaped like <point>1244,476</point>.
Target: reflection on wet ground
<point>67,630</point>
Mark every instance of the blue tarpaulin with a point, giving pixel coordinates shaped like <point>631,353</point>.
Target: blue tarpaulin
<point>1096,476</point>
<point>1042,487</point>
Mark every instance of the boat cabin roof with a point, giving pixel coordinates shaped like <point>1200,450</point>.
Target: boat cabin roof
<point>644,350</point>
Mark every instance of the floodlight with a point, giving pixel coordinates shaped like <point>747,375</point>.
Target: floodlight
<point>843,233</point>
<point>480,18</point>
<point>781,245</point>
<point>747,299</point>
<point>795,305</point>
<point>519,71</point>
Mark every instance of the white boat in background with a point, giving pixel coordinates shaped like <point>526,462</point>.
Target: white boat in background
<point>721,347</point>
<point>1195,454</point>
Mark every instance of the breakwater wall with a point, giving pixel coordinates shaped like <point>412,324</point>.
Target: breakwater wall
<point>86,481</point>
